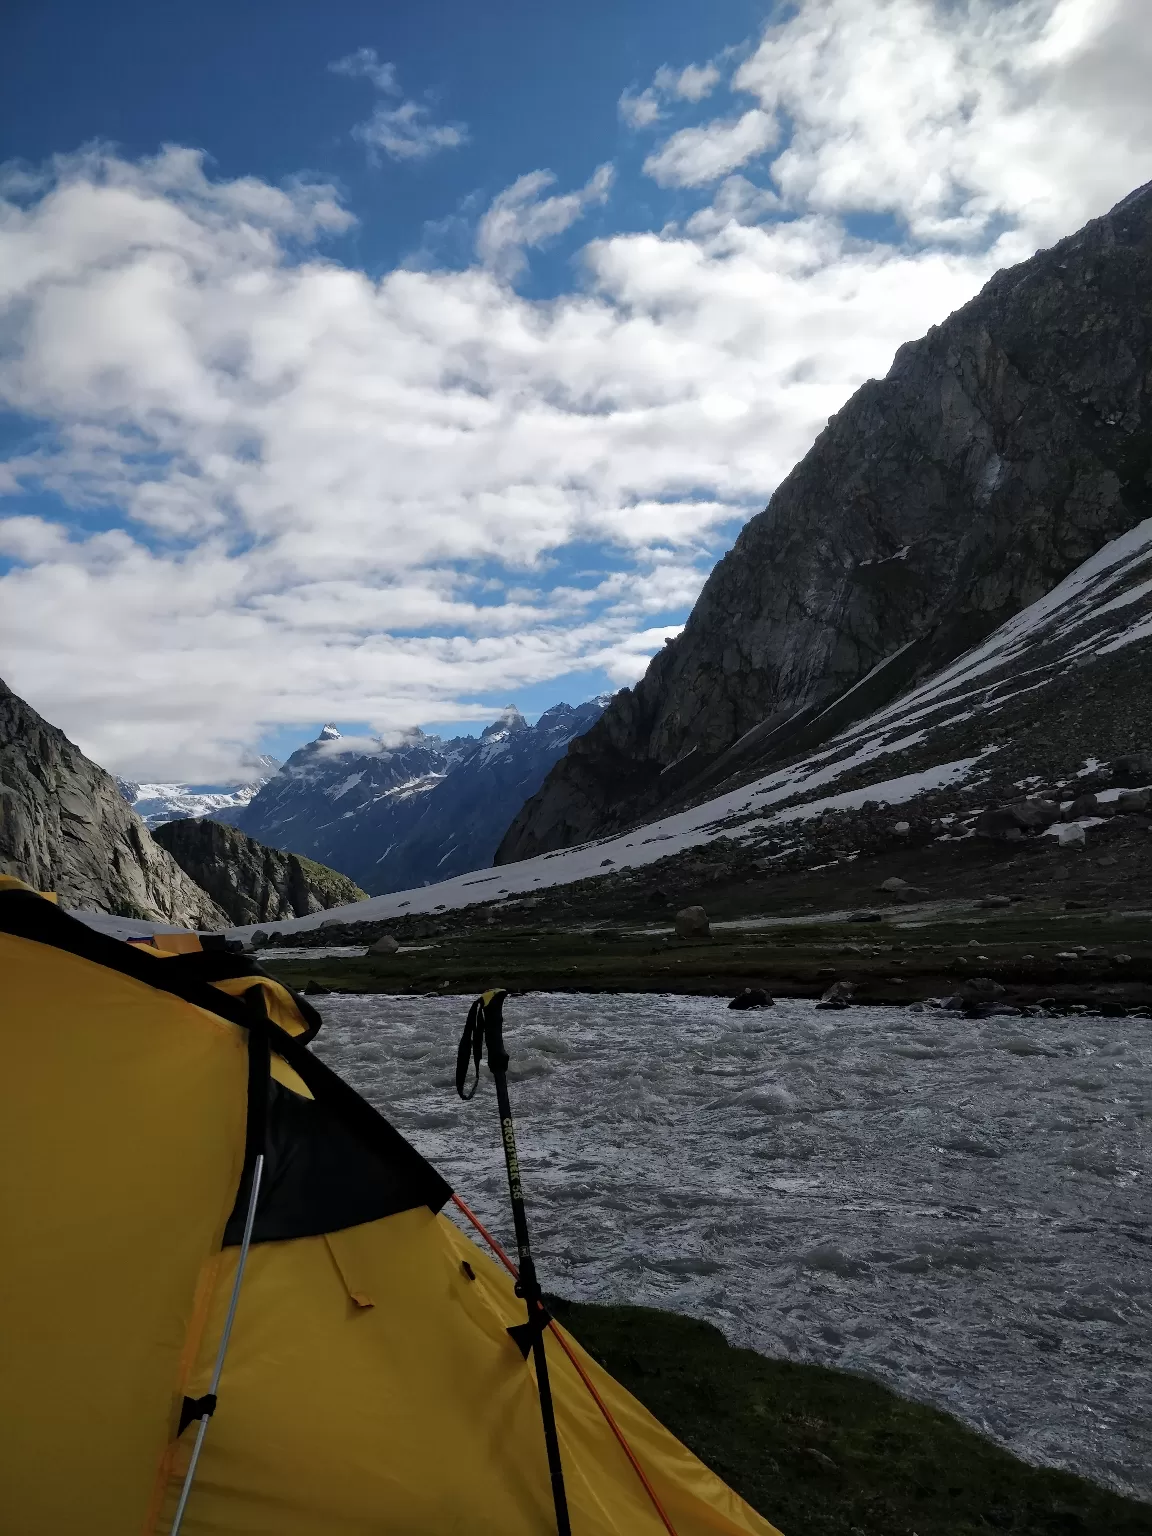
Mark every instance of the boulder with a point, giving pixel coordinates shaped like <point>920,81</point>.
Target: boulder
<point>1083,805</point>
<point>982,988</point>
<point>1071,836</point>
<point>838,995</point>
<point>1005,823</point>
<point>692,923</point>
<point>386,944</point>
<point>1133,768</point>
<point>752,997</point>
<point>995,901</point>
<point>865,917</point>
<point>258,938</point>
<point>901,890</point>
<point>1133,802</point>
<point>314,989</point>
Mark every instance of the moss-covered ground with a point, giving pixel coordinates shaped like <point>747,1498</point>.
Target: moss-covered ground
<point>900,959</point>
<point>824,1453</point>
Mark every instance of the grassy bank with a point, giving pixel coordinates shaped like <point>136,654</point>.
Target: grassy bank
<point>824,1453</point>
<point>901,959</point>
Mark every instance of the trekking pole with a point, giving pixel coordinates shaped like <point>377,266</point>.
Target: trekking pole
<point>485,1026</point>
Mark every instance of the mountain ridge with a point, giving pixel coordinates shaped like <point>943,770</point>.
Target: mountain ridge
<point>249,882</point>
<point>65,827</point>
<point>1000,451</point>
<point>157,802</point>
<point>405,810</point>
<point>1056,703</point>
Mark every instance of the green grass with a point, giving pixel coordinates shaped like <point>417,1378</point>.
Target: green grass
<point>890,961</point>
<point>336,888</point>
<point>825,1453</point>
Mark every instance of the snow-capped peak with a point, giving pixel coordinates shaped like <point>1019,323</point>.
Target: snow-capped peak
<point>507,721</point>
<point>328,733</point>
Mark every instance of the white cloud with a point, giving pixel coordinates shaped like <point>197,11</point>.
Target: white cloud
<point>365,65</point>
<point>696,156</point>
<point>405,132</point>
<point>641,109</point>
<point>959,117</point>
<point>301,493</point>
<point>520,218</point>
<point>691,84</point>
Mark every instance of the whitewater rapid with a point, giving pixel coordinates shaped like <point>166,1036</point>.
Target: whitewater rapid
<point>959,1208</point>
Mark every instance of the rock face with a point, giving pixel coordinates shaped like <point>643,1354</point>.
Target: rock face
<point>426,809</point>
<point>1002,449</point>
<point>65,827</point>
<point>251,883</point>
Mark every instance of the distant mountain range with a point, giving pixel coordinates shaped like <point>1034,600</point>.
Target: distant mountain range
<point>156,804</point>
<point>424,809</point>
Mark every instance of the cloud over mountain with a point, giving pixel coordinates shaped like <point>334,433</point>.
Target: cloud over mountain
<point>264,486</point>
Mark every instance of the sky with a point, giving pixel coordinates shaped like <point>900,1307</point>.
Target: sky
<point>388,364</point>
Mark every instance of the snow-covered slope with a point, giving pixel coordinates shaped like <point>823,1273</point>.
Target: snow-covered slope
<point>396,814</point>
<point>1066,681</point>
<point>157,803</point>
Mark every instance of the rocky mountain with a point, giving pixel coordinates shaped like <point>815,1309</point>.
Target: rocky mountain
<point>1022,769</point>
<point>1001,451</point>
<point>65,827</point>
<point>157,803</point>
<point>251,883</point>
<point>422,809</point>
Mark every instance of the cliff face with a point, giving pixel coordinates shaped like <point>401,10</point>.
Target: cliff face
<point>253,884</point>
<point>1001,450</point>
<point>64,827</point>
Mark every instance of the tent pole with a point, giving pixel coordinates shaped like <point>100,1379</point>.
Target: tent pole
<point>218,1368</point>
<point>485,1023</point>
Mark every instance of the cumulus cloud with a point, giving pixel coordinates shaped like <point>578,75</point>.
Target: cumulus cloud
<point>692,83</point>
<point>296,492</point>
<point>641,109</point>
<point>519,218</point>
<point>955,118</point>
<point>696,156</point>
<point>405,131</point>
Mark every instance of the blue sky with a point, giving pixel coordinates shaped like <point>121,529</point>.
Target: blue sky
<point>387,364</point>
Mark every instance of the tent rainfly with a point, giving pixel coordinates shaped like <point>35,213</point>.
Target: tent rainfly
<point>370,1385</point>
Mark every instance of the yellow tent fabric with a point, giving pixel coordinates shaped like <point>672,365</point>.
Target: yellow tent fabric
<point>370,1386</point>
<point>121,1140</point>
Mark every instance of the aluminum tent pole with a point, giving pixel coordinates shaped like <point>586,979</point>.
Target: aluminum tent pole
<point>217,1369</point>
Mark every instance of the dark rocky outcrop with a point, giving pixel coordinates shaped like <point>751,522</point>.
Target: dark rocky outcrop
<point>251,883</point>
<point>1000,451</point>
<point>64,827</point>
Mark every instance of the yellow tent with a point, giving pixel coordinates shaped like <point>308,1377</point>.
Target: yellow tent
<point>370,1387</point>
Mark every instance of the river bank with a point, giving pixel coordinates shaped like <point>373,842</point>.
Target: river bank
<point>1096,959</point>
